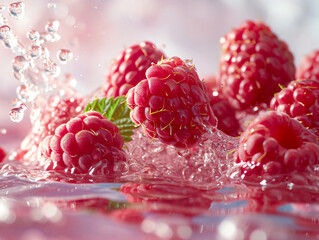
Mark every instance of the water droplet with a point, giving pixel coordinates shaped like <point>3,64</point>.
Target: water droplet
<point>45,53</point>
<point>52,69</point>
<point>11,41</point>
<point>52,26</point>
<point>4,32</point>
<point>33,35</point>
<point>2,7</point>
<point>16,114</point>
<point>16,9</point>
<point>64,55</point>
<point>20,64</point>
<point>27,94</point>
<point>35,51</point>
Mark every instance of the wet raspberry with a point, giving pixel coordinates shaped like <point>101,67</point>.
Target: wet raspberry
<point>254,62</point>
<point>300,100</point>
<point>129,68</point>
<point>309,67</point>
<point>275,144</point>
<point>172,103</point>
<point>88,143</point>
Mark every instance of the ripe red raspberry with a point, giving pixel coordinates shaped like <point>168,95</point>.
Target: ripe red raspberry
<point>274,144</point>
<point>172,103</point>
<point>253,64</point>
<point>309,67</point>
<point>88,143</point>
<point>46,116</point>
<point>300,100</point>
<point>129,68</point>
<point>2,154</point>
<point>224,112</point>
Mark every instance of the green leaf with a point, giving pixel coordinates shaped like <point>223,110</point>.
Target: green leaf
<point>115,110</point>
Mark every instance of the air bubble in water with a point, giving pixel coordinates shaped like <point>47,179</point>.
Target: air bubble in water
<point>20,64</point>
<point>33,35</point>
<point>52,69</point>
<point>16,9</point>
<point>35,51</point>
<point>5,31</point>
<point>52,26</point>
<point>64,55</point>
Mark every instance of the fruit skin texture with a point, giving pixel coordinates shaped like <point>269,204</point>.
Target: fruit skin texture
<point>224,112</point>
<point>275,144</point>
<point>253,64</point>
<point>88,143</point>
<point>300,100</point>
<point>129,68</point>
<point>309,67</point>
<point>171,104</point>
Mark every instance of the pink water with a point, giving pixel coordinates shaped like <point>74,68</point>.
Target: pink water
<point>164,193</point>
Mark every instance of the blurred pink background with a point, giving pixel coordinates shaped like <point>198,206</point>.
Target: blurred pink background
<point>96,31</point>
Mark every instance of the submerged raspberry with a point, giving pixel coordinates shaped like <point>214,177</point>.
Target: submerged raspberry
<point>253,64</point>
<point>300,100</point>
<point>88,143</point>
<point>129,68</point>
<point>276,144</point>
<point>172,103</point>
<point>309,67</point>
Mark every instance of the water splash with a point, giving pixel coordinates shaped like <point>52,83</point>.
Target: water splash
<point>16,114</point>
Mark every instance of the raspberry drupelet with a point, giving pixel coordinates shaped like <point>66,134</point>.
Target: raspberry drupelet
<point>172,103</point>
<point>309,67</point>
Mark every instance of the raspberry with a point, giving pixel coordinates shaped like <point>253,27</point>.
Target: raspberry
<point>171,104</point>
<point>253,64</point>
<point>274,144</point>
<point>224,112</point>
<point>46,118</point>
<point>300,100</point>
<point>129,68</point>
<point>2,154</point>
<point>309,67</point>
<point>88,143</point>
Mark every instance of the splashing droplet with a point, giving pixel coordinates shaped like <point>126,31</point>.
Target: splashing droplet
<point>16,9</point>
<point>4,32</point>
<point>20,64</point>
<point>16,114</point>
<point>52,69</point>
<point>10,41</point>
<point>64,55</point>
<point>35,51</point>
<point>33,35</point>
<point>27,94</point>
<point>53,26</point>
